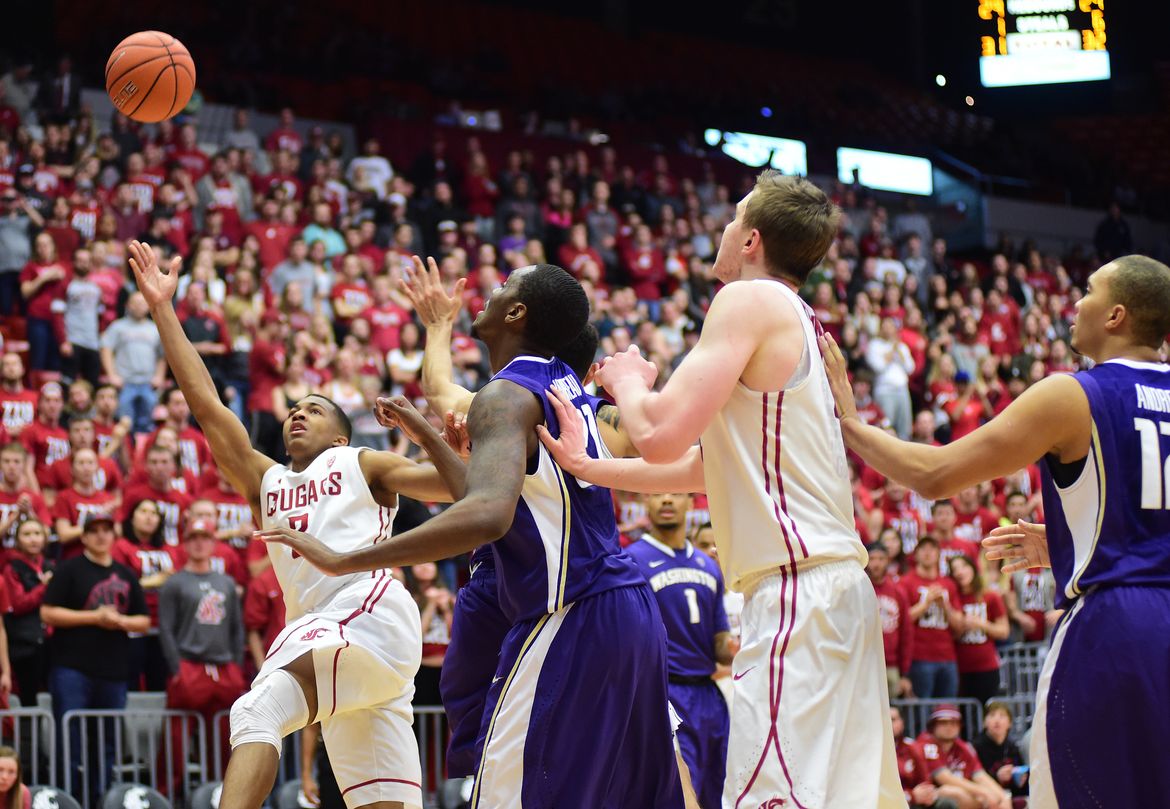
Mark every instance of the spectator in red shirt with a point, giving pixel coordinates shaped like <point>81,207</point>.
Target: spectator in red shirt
<point>266,371</point>
<point>45,439</point>
<point>942,527</point>
<point>263,614</point>
<point>285,137</point>
<point>273,235</point>
<point>972,520</point>
<point>970,407</point>
<point>25,577</point>
<point>81,498</point>
<point>917,786</point>
<point>143,548</point>
<point>646,266</point>
<point>18,502</point>
<point>194,451</point>
<point>60,476</point>
<point>936,613</point>
<point>897,629</point>
<point>350,295</point>
<point>18,402</point>
<point>385,315</point>
<point>43,283</point>
<point>576,252</point>
<point>189,155</point>
<point>954,765</point>
<point>161,469</point>
<point>234,524</point>
<point>985,623</point>
<point>901,513</point>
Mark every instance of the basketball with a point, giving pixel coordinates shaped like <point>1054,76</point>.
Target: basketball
<point>150,76</point>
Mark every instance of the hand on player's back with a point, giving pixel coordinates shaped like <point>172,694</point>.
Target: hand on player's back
<point>157,286</point>
<point>1020,546</point>
<point>314,550</point>
<point>836,369</point>
<point>569,449</point>
<point>456,434</point>
<point>424,287</point>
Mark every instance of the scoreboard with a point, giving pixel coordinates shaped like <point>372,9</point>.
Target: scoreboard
<point>1042,42</point>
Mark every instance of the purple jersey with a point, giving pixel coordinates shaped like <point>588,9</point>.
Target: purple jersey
<point>563,543</point>
<point>689,590</point>
<point>1111,525</point>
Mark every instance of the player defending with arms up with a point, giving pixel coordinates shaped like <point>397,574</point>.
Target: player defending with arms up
<point>350,651</point>
<point>1103,437</point>
<point>810,720</point>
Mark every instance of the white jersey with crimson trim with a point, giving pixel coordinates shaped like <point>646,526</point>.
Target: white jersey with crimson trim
<point>774,464</point>
<point>330,500</point>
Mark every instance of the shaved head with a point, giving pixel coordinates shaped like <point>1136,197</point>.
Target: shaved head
<point>1142,285</point>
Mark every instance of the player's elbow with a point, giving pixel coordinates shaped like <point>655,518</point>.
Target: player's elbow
<point>658,446</point>
<point>490,522</point>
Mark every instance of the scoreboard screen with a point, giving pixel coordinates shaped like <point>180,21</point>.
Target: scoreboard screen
<point>1042,42</point>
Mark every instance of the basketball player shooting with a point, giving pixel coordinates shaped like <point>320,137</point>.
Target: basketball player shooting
<point>352,646</point>
<point>1101,438</point>
<point>810,720</point>
<point>577,712</point>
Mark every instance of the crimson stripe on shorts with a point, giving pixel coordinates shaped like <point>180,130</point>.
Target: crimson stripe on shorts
<point>381,781</point>
<point>289,635</point>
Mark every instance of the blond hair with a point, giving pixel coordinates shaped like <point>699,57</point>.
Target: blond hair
<point>796,221</point>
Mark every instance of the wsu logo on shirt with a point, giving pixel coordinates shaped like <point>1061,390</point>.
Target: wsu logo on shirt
<point>211,610</point>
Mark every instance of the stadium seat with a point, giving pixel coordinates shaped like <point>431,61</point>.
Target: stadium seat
<point>207,796</point>
<point>133,796</point>
<point>45,797</point>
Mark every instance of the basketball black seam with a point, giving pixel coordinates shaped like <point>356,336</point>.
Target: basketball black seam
<point>149,90</point>
<point>110,84</point>
<point>175,74</point>
<point>185,69</point>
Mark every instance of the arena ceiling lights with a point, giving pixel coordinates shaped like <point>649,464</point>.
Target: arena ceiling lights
<point>886,171</point>
<point>783,154</point>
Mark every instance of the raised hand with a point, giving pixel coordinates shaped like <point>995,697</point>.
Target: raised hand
<point>836,371</point>
<point>312,549</point>
<point>1020,546</point>
<point>623,366</point>
<point>157,285</point>
<point>569,449</point>
<point>397,411</point>
<point>424,287</point>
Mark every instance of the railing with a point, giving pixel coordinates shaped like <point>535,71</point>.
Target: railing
<point>916,714</point>
<point>33,734</point>
<point>1020,666</point>
<point>151,747</point>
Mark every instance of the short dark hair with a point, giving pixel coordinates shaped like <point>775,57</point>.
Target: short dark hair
<point>940,503</point>
<point>1015,493</point>
<point>558,307</point>
<point>342,420</point>
<point>581,350</point>
<point>796,220</point>
<point>1142,285</point>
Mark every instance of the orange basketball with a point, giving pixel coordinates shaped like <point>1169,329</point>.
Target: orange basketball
<point>150,76</point>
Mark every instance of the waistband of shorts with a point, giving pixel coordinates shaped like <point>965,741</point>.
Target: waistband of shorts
<point>689,679</point>
<point>805,569</point>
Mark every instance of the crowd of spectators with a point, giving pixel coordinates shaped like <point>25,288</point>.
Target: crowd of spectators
<point>294,252</point>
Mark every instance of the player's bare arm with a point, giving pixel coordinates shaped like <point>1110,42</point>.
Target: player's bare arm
<point>664,425</point>
<point>243,466</point>
<point>1051,417</point>
<point>437,310</point>
<point>390,474</point>
<point>625,474</point>
<point>501,423</point>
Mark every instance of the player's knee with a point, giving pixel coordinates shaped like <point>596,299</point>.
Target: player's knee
<point>270,711</point>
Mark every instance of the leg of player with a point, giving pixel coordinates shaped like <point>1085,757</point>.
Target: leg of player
<point>281,703</point>
<point>689,798</point>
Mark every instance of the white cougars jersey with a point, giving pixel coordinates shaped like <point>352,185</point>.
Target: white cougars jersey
<point>330,500</point>
<point>777,479</point>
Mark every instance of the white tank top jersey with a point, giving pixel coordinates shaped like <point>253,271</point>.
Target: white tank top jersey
<point>330,500</point>
<point>777,479</point>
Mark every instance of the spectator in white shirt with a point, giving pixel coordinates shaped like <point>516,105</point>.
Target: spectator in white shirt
<point>892,365</point>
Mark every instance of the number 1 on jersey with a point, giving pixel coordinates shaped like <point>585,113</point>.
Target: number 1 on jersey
<point>693,604</point>
<point>1155,468</point>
